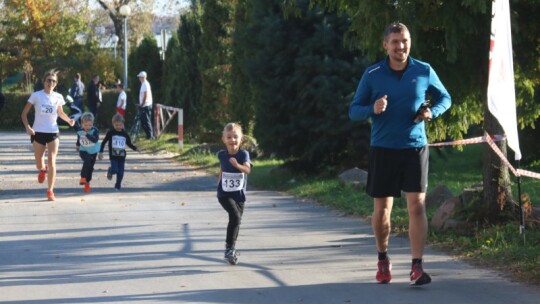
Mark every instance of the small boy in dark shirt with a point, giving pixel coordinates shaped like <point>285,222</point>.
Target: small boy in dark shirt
<point>117,140</point>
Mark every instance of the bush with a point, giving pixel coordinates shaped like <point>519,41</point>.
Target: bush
<point>529,143</point>
<point>10,115</point>
<point>108,109</point>
<point>304,80</point>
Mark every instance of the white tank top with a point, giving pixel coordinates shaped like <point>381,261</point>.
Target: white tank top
<point>46,110</point>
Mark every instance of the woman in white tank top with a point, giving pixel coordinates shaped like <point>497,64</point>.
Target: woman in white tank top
<point>43,133</point>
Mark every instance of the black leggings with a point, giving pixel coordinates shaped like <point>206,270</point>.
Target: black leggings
<point>235,210</point>
<point>89,160</point>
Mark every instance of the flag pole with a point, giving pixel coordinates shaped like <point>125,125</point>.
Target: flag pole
<point>521,215</point>
<point>501,84</point>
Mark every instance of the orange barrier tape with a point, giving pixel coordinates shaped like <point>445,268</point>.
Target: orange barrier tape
<point>498,151</point>
<point>474,140</point>
<point>490,140</point>
<point>528,173</point>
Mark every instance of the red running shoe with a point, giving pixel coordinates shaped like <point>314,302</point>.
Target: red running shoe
<point>87,187</point>
<point>82,181</point>
<point>418,276</point>
<point>42,174</point>
<point>383,273</point>
<point>50,195</point>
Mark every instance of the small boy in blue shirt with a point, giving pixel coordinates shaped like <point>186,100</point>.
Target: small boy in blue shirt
<point>88,147</point>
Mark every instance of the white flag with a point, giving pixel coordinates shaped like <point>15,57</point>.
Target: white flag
<point>501,91</point>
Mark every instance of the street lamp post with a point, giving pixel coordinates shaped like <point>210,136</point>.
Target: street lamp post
<point>125,11</point>
<point>115,42</point>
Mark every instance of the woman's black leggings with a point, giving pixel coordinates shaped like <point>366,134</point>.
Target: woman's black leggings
<point>235,211</point>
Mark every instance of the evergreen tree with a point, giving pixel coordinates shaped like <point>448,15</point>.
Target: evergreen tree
<point>454,37</point>
<point>214,63</point>
<point>188,73</point>
<point>171,77</point>
<point>242,99</point>
<point>146,58</point>
<point>304,80</point>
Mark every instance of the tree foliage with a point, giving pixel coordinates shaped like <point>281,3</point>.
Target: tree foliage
<point>189,84</point>
<point>303,80</point>
<point>139,22</point>
<point>146,58</point>
<point>38,35</point>
<point>170,88</point>
<point>458,50</point>
<point>214,64</point>
<point>242,97</point>
<point>454,37</point>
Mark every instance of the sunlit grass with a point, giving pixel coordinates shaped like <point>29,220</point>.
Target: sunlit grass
<point>498,247</point>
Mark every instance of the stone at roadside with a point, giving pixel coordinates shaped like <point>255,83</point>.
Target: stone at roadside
<point>438,196</point>
<point>445,212</point>
<point>356,178</point>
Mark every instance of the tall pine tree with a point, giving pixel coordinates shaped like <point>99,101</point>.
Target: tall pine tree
<point>189,84</point>
<point>215,68</point>
<point>304,80</point>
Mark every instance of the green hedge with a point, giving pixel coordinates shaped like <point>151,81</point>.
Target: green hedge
<point>10,115</point>
<point>108,109</point>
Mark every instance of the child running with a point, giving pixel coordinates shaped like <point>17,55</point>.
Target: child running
<point>117,140</point>
<point>88,147</point>
<point>235,165</point>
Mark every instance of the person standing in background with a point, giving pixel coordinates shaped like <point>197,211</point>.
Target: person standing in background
<point>77,91</point>
<point>93,100</point>
<point>145,104</point>
<point>121,102</point>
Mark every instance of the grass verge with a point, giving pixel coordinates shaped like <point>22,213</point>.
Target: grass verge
<point>499,247</point>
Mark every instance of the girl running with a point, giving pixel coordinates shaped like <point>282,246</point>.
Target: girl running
<point>235,165</point>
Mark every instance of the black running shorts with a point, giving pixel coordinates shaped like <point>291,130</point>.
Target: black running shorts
<point>43,138</point>
<point>394,170</point>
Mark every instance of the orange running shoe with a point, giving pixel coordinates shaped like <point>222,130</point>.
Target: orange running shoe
<point>50,195</point>
<point>42,174</point>
<point>82,181</point>
<point>383,273</point>
<point>87,187</point>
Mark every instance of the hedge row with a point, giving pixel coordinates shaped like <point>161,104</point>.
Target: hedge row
<point>10,115</point>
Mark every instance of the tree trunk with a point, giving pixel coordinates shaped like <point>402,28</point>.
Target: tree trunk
<point>118,21</point>
<point>497,190</point>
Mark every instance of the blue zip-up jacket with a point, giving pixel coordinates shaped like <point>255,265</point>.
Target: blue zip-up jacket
<point>88,141</point>
<point>395,127</point>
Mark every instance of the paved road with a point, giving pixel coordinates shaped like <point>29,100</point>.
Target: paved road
<point>161,239</point>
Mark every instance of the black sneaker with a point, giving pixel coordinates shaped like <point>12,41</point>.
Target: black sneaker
<point>109,174</point>
<point>231,255</point>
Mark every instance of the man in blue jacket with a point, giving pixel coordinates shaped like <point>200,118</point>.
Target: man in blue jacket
<point>393,94</point>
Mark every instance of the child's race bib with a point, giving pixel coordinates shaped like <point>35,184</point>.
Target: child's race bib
<point>46,109</point>
<point>118,142</point>
<point>232,181</point>
<point>85,142</point>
